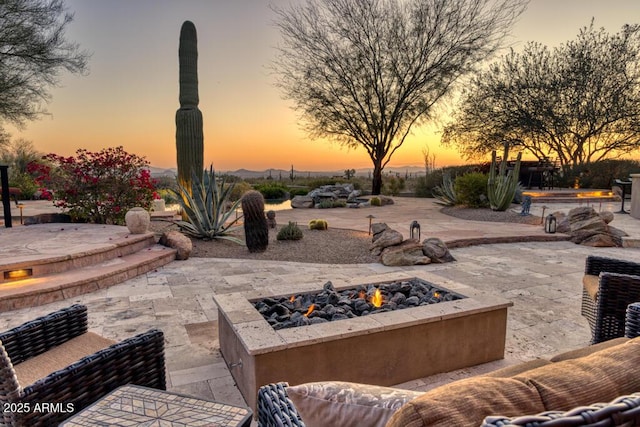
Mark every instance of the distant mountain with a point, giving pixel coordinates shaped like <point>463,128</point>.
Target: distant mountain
<point>284,173</point>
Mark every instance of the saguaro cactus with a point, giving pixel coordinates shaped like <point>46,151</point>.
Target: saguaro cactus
<point>256,232</point>
<point>189,135</point>
<point>502,188</point>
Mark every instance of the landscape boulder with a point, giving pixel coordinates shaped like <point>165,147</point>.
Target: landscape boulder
<point>302,202</point>
<point>436,250</point>
<point>178,241</point>
<point>408,252</point>
<point>377,229</point>
<point>389,237</point>
<point>589,228</point>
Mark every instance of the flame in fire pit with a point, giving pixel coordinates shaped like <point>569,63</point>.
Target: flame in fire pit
<point>292,298</point>
<point>436,294</point>
<point>376,299</point>
<point>310,310</point>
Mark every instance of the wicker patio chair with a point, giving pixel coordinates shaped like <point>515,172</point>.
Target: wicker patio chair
<point>609,286</point>
<point>46,342</point>
<point>275,409</point>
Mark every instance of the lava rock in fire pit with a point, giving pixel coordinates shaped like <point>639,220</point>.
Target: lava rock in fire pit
<point>330,304</point>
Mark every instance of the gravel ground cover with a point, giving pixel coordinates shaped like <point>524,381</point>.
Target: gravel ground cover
<point>332,246</point>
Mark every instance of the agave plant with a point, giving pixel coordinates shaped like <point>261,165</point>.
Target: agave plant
<point>207,208</point>
<point>445,194</point>
<point>503,186</point>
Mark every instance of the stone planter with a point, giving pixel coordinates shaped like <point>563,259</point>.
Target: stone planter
<point>159,205</point>
<point>137,220</point>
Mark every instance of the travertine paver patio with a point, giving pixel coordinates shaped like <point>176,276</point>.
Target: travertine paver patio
<point>543,279</point>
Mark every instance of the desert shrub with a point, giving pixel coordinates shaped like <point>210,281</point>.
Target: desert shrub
<point>319,182</point>
<point>375,201</point>
<point>471,190</point>
<point>325,204</point>
<point>26,183</point>
<point>290,231</point>
<point>393,185</point>
<point>239,188</point>
<point>318,224</point>
<point>424,185</point>
<point>273,191</point>
<point>96,187</point>
<point>298,191</point>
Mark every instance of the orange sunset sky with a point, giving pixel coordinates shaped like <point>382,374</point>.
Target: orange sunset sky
<point>130,96</point>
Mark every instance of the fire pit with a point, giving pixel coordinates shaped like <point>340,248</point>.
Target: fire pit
<point>330,304</point>
<point>382,347</point>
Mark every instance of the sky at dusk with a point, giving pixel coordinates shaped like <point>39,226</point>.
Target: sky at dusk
<point>130,95</point>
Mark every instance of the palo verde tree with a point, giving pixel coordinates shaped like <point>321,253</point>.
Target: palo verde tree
<point>579,102</point>
<point>363,72</point>
<point>33,53</point>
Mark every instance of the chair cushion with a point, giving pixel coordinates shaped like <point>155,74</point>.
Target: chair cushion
<point>59,357</point>
<point>599,377</point>
<point>467,402</point>
<point>338,403</point>
<point>591,284</point>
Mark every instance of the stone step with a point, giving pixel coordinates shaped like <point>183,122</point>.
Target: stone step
<point>110,270</point>
<point>79,256</point>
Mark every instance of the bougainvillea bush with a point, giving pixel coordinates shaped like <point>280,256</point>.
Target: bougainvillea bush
<point>96,187</point>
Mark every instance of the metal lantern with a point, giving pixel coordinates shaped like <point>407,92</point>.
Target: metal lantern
<point>551,224</point>
<point>414,227</point>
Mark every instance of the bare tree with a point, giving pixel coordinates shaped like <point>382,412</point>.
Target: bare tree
<point>579,102</point>
<point>429,160</point>
<point>33,52</point>
<point>363,72</point>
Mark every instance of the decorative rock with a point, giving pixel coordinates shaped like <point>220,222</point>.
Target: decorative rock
<point>385,200</point>
<point>589,228</point>
<point>408,252</point>
<point>436,250</point>
<point>607,216</point>
<point>178,241</point>
<point>302,202</point>
<point>377,229</point>
<point>137,220</point>
<point>388,238</point>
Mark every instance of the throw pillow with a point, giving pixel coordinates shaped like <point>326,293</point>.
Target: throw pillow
<point>338,403</point>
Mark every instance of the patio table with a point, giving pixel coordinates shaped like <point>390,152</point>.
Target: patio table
<point>136,405</point>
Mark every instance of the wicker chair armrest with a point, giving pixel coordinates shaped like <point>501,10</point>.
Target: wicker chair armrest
<point>275,409</point>
<point>596,264</point>
<point>623,411</point>
<point>136,360</point>
<point>41,334</point>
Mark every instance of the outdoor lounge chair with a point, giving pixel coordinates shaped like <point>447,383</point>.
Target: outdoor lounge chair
<point>54,360</point>
<point>609,286</point>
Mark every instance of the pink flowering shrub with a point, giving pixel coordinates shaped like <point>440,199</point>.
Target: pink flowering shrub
<point>96,187</point>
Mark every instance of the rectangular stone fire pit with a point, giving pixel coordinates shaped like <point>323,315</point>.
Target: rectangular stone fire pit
<point>383,348</point>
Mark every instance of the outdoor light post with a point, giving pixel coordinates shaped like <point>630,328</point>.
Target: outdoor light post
<point>370,219</point>
<point>551,224</point>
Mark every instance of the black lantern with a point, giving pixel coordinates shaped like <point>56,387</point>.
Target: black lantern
<point>414,227</point>
<point>551,224</point>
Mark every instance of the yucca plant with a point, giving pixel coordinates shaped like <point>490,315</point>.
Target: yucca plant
<point>207,208</point>
<point>445,194</point>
